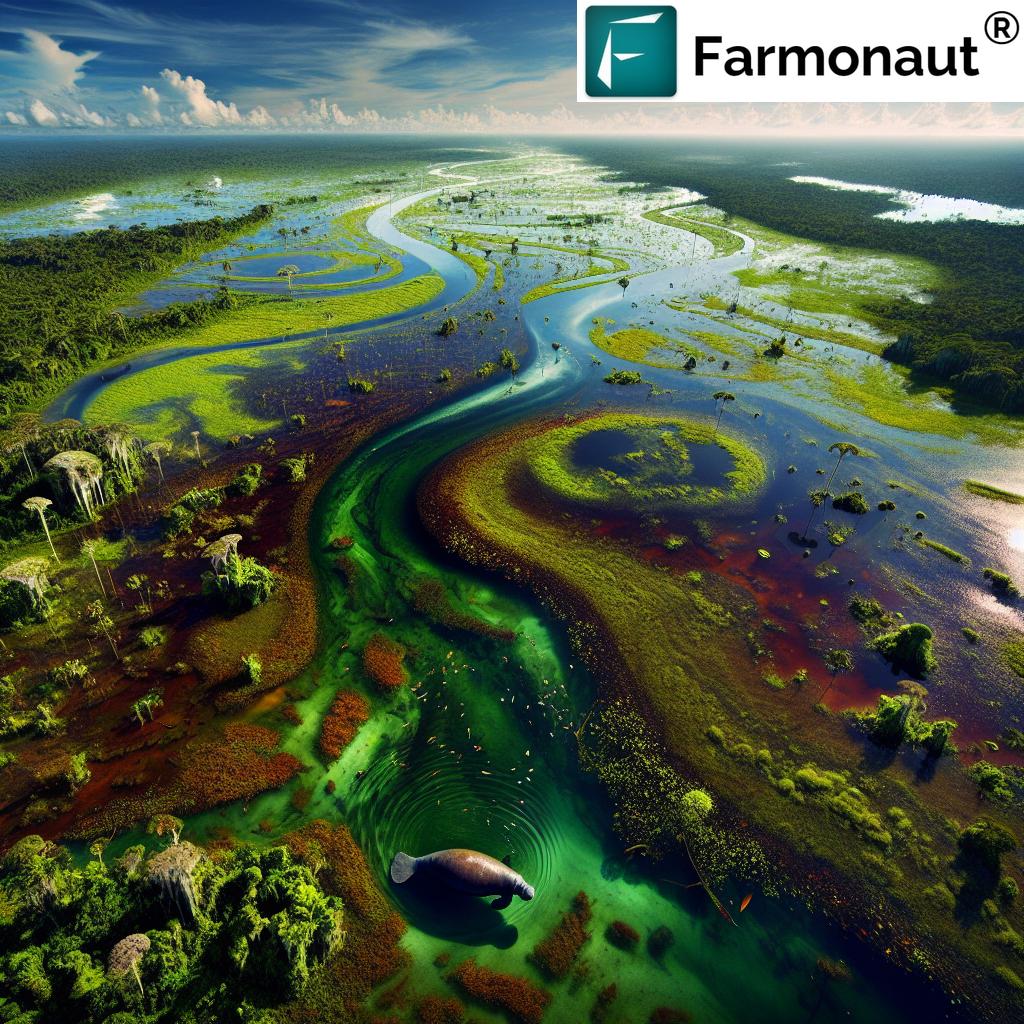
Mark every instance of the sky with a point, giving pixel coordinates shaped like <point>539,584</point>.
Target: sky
<point>352,65</point>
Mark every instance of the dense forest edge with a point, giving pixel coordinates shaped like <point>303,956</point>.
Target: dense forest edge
<point>63,292</point>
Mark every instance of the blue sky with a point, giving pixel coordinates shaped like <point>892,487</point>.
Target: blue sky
<point>354,65</point>
<point>393,58</point>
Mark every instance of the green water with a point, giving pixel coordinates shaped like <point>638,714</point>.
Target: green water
<point>479,751</point>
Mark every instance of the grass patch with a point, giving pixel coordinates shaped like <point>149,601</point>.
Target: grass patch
<point>983,490</point>
<point>725,242</point>
<point>951,553</point>
<point>658,468</point>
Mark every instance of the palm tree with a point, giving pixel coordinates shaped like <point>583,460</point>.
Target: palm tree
<point>89,548</point>
<point>722,397</point>
<point>844,448</point>
<point>156,450</point>
<point>836,661</point>
<point>288,271</point>
<point>40,504</point>
<point>623,284</point>
<point>125,956</point>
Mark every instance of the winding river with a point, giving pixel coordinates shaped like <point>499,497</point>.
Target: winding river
<point>481,751</point>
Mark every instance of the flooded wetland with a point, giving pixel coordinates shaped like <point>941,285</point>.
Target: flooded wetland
<point>651,516</point>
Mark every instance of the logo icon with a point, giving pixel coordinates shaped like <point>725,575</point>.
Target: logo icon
<point>630,51</point>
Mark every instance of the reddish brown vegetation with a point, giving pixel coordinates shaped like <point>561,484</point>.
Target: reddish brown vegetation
<point>603,1003</point>
<point>623,935</point>
<point>383,662</point>
<point>438,1010</point>
<point>342,542</point>
<point>556,954</point>
<point>347,713</point>
<point>523,1001</point>
<point>667,1015</point>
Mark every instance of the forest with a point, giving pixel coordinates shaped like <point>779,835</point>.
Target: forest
<point>40,169</point>
<point>970,336</point>
<point>173,934</point>
<point>61,294</point>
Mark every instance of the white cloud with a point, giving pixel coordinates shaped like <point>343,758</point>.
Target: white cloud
<point>151,100</point>
<point>132,120</point>
<point>13,118</point>
<point>260,117</point>
<point>202,109</point>
<point>50,66</point>
<point>42,114</point>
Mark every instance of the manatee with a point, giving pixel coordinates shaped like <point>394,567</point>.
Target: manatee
<point>466,870</point>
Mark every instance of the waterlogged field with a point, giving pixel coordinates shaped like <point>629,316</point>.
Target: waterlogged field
<point>506,500</point>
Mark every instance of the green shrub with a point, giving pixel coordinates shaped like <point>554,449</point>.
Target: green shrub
<point>909,648</point>
<point>242,584</point>
<point>246,480</point>
<point>152,636</point>
<point>852,502</point>
<point>1001,582</point>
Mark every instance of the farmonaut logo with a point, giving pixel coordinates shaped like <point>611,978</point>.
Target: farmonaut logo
<point>630,51</point>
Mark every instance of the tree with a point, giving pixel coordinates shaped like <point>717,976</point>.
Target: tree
<point>843,448</point>
<point>289,270</point>
<point>623,283</point>
<point>23,586</point>
<point>836,660</point>
<point>101,623</point>
<point>81,474</point>
<point>721,397</point>
<point>125,956</point>
<point>166,824</point>
<point>156,450</point>
<point>89,548</point>
<point>39,505</point>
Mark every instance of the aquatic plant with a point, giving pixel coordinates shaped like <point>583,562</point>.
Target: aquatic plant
<point>239,583</point>
<point>624,377</point>
<point>523,1001</point>
<point>984,842</point>
<point>440,1010</point>
<point>853,502</point>
<point>383,662</point>
<point>984,490</point>
<point>623,935</point>
<point>348,711</point>
<point>557,952</point>
<point>246,481</point>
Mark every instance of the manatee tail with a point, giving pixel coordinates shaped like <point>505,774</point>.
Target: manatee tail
<point>403,867</point>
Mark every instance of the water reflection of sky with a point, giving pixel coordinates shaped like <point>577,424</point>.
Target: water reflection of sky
<point>916,206</point>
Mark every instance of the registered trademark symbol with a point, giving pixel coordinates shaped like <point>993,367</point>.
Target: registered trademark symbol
<point>1002,27</point>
